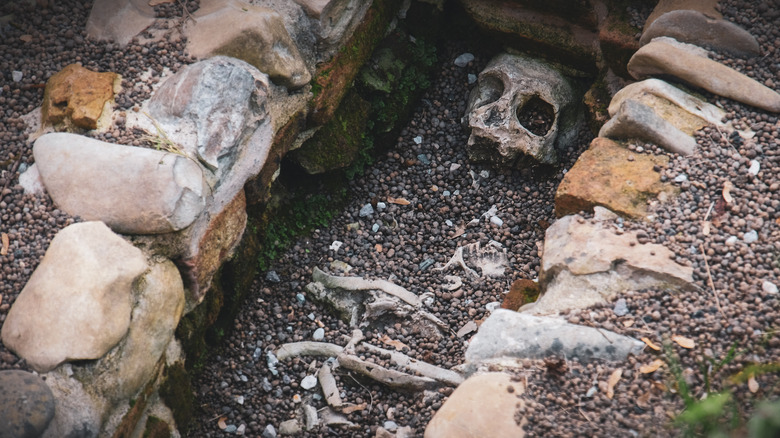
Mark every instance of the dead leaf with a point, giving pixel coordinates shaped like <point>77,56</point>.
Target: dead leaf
<point>752,384</point>
<point>353,408</point>
<point>398,345</point>
<point>650,344</point>
<point>6,244</point>
<point>399,201</point>
<point>647,369</point>
<point>221,423</point>
<point>614,378</point>
<point>459,231</point>
<point>643,401</point>
<point>26,38</point>
<point>683,342</point>
<point>727,186</point>
<point>705,228</point>
<point>628,323</point>
<point>777,221</point>
<point>378,247</point>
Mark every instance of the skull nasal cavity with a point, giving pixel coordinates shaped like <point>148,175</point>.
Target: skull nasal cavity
<point>489,89</point>
<point>536,116</point>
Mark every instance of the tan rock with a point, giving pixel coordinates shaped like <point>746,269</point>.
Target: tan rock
<point>77,303</point>
<point>250,33</point>
<point>482,406</point>
<point>696,28</point>
<point>78,97</point>
<point>635,120</point>
<point>662,57</point>
<point>603,175</point>
<point>706,7</point>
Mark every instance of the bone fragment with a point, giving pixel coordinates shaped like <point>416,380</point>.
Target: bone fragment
<point>393,379</point>
<point>328,384</point>
<point>445,376</point>
<point>308,348</point>
<point>357,283</point>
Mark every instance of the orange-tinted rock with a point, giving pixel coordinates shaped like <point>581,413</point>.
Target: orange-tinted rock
<point>77,96</point>
<point>521,292</point>
<point>611,176</point>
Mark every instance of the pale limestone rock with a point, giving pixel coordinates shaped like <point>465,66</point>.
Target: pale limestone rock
<point>77,303</point>
<point>251,33</point>
<point>482,406</point>
<point>686,112</point>
<point>694,27</point>
<point>636,120</point>
<point>587,263</point>
<point>133,190</point>
<point>119,20</point>
<point>507,335</point>
<point>661,57</point>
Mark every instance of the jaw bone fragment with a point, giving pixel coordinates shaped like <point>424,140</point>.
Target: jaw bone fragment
<point>491,259</point>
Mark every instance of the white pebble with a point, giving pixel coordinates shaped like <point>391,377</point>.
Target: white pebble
<point>381,206</point>
<point>731,240</point>
<point>472,78</point>
<point>454,167</point>
<point>448,223</point>
<point>769,287</point>
<point>319,334</point>
<point>336,245</point>
<point>309,382</point>
<point>417,139</point>
<point>751,236</point>
<point>241,429</point>
<point>680,178</point>
<point>391,426</point>
<point>495,220</point>
<point>240,399</point>
<point>375,228</point>
<point>17,75</point>
<point>464,59</point>
<point>755,166</point>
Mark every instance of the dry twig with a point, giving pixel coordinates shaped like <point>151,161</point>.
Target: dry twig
<point>712,284</point>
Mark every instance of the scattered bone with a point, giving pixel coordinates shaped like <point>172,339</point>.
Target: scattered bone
<point>445,376</point>
<point>308,348</point>
<point>357,336</point>
<point>357,283</point>
<point>457,259</point>
<point>328,384</point>
<point>391,378</point>
<point>491,259</point>
<point>453,282</point>
<point>330,417</point>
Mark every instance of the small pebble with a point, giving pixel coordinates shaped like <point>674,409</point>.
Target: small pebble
<point>751,236</point>
<point>319,334</point>
<point>463,60</point>
<point>769,287</point>
<point>366,210</point>
<point>308,382</point>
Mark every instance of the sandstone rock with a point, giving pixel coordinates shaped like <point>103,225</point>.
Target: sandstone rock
<point>26,404</point>
<point>482,406</point>
<point>119,20</point>
<point>634,119</point>
<point>696,28</point>
<point>585,263</point>
<point>251,33</point>
<point>131,189</point>
<point>78,97</point>
<point>508,334</point>
<point>603,175</point>
<point>335,19</point>
<point>661,57</point>
<point>687,113</point>
<point>77,303</point>
<point>706,7</point>
<point>509,86</point>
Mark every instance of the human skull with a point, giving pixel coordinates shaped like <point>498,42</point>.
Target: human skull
<point>516,110</point>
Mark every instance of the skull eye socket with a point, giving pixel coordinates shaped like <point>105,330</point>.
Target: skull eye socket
<point>536,116</point>
<point>489,89</point>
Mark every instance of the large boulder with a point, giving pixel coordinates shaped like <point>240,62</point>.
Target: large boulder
<point>78,97</point>
<point>611,176</point>
<point>586,263</point>
<point>119,20</point>
<point>521,110</point>
<point>664,56</point>
<point>77,303</point>
<point>26,404</point>
<point>251,33</point>
<point>482,406</point>
<point>506,335</point>
<point>133,190</point>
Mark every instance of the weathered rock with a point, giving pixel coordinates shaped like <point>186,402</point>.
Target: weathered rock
<point>77,413</point>
<point>510,86</point>
<point>131,189</point>
<point>26,404</point>
<point>250,33</point>
<point>585,263</point>
<point>696,28</point>
<point>78,97</point>
<point>635,120</point>
<point>604,175</point>
<point>507,335</point>
<point>482,406</point>
<point>686,112</point>
<point>335,19</point>
<point>663,57</point>
<point>119,20</point>
<point>707,7</point>
<point>77,303</point>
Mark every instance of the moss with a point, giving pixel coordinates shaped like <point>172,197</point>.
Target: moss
<point>176,392</point>
<point>156,428</point>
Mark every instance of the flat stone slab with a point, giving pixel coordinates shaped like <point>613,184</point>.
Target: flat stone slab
<point>694,27</point>
<point>611,176</point>
<point>706,7</point>
<point>685,62</point>
<point>77,303</point>
<point>635,120</point>
<point>482,406</point>
<point>509,334</point>
<point>133,190</point>
<point>26,404</point>
<point>586,263</point>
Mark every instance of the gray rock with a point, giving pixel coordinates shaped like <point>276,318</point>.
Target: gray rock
<point>334,20</point>
<point>620,309</point>
<point>77,412</point>
<point>133,190</point>
<point>26,404</point>
<point>250,33</point>
<point>269,431</point>
<point>637,120</point>
<point>463,59</point>
<point>660,57</point>
<point>366,210</point>
<point>77,303</point>
<point>694,27</point>
<point>509,85</point>
<point>586,263</point>
<point>511,334</point>
<point>119,20</point>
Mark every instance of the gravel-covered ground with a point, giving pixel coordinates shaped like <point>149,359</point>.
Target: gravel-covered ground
<point>237,388</point>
